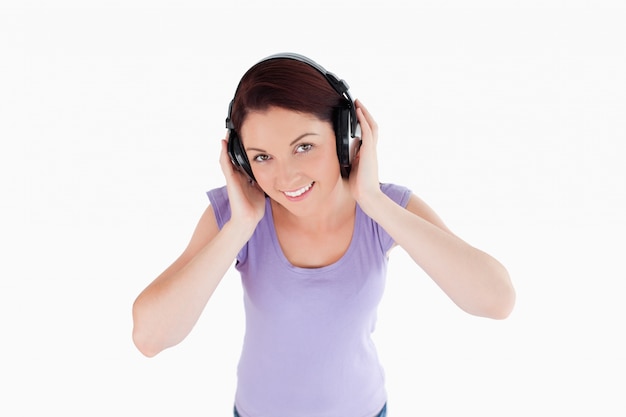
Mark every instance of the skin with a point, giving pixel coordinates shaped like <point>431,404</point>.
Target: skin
<point>289,151</point>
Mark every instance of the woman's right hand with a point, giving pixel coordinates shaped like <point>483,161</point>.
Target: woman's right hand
<point>247,200</point>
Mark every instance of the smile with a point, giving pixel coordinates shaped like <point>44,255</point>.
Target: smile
<point>299,192</point>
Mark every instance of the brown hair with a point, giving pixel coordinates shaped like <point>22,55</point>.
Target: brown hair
<point>285,83</point>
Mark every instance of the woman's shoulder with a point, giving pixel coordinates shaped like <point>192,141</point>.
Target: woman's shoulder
<point>398,193</point>
<point>218,192</point>
<point>218,197</point>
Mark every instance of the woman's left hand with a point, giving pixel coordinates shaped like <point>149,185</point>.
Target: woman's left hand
<point>364,183</point>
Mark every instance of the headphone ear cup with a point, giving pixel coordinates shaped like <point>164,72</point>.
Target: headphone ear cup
<point>343,139</point>
<point>230,147</point>
<point>237,154</point>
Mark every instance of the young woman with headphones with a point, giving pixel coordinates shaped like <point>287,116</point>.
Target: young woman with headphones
<point>309,226</point>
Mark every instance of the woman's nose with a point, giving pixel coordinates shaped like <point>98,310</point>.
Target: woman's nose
<point>287,172</point>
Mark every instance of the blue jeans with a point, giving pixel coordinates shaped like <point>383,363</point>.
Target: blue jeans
<point>383,412</point>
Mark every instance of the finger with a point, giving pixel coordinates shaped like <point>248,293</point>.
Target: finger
<point>228,169</point>
<point>224,155</point>
<point>368,117</point>
<point>366,132</point>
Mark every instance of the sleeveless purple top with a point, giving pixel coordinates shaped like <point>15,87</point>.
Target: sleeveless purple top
<point>307,349</point>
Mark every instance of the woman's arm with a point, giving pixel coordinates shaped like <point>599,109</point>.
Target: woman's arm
<point>474,280</point>
<point>166,311</point>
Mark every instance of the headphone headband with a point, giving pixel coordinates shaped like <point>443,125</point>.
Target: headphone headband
<point>339,85</point>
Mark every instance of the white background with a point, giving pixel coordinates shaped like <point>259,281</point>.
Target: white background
<point>507,117</point>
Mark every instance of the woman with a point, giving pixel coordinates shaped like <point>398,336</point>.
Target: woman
<point>309,227</point>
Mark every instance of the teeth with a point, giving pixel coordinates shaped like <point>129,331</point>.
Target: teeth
<point>299,192</point>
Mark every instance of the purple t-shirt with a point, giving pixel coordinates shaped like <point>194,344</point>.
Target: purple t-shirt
<point>307,349</point>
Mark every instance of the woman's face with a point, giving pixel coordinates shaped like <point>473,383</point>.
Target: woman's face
<point>293,157</point>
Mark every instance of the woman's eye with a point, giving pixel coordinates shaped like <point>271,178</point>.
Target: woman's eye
<point>261,158</point>
<point>305,147</point>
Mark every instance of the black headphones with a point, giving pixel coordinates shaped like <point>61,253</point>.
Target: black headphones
<point>345,123</point>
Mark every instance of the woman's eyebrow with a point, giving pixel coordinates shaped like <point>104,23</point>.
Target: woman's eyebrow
<point>302,136</point>
<point>291,144</point>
